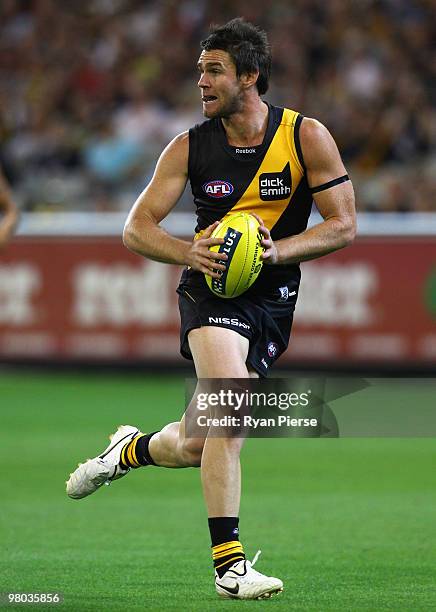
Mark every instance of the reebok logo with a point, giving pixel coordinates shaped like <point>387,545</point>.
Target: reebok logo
<point>275,185</point>
<point>228,321</point>
<point>245,150</point>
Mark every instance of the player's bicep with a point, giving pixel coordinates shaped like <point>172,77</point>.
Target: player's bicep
<point>326,174</point>
<point>167,185</point>
<point>321,156</point>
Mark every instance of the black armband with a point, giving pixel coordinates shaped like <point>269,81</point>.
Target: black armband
<point>337,181</point>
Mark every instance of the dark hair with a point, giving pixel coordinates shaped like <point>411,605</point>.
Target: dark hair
<point>248,47</point>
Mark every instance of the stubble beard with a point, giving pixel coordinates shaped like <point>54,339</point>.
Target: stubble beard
<point>232,106</point>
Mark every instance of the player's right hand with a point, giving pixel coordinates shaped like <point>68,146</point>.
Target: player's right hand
<point>200,258</point>
<point>269,255</point>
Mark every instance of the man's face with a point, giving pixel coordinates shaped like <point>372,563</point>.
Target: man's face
<point>220,87</point>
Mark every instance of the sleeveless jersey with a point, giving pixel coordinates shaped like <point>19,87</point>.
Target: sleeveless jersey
<point>268,179</point>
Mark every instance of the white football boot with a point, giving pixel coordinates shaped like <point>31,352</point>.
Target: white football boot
<point>104,468</point>
<point>241,581</point>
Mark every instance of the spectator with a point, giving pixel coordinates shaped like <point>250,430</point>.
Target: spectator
<point>93,90</point>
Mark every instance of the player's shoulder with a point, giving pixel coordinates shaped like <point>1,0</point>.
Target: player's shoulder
<point>179,146</point>
<point>318,145</point>
<point>313,132</point>
<point>181,140</point>
<point>174,158</point>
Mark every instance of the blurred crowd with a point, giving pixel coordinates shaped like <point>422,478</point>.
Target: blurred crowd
<point>92,91</point>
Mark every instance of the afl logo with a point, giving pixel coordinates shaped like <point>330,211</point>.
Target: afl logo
<point>272,349</point>
<point>218,189</point>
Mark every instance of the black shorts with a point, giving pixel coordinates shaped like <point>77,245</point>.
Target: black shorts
<point>266,320</point>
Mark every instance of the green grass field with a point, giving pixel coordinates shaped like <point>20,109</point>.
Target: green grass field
<point>348,524</point>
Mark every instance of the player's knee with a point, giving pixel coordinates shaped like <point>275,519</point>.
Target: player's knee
<point>233,444</point>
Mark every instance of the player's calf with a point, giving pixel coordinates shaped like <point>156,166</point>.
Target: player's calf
<point>190,451</point>
<point>172,449</point>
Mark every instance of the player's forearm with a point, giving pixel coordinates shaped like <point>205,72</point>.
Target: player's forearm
<point>152,241</point>
<point>326,237</point>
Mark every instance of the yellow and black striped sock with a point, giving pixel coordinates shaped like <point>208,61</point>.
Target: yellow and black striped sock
<point>226,547</point>
<point>226,554</point>
<point>135,453</point>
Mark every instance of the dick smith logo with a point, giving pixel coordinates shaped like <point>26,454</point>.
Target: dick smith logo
<point>275,185</point>
<point>218,189</point>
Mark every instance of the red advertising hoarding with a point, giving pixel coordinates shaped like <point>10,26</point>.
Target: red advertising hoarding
<point>90,299</point>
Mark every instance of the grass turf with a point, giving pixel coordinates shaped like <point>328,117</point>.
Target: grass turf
<point>346,523</point>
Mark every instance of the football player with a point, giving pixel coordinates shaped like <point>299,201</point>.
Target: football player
<point>247,156</point>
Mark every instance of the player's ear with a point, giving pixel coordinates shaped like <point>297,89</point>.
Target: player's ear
<point>249,79</point>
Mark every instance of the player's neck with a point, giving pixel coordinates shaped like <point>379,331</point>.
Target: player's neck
<point>247,128</point>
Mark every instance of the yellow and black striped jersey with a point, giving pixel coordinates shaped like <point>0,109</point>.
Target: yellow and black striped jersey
<point>268,179</point>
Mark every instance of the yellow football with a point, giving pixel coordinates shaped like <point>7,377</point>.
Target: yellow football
<point>242,245</point>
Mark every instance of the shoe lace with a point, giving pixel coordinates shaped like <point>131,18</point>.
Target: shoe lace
<point>255,558</point>
<point>253,574</point>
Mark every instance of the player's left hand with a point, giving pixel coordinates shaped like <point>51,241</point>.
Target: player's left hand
<point>269,255</point>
